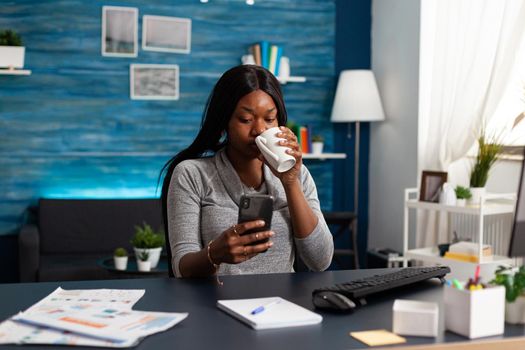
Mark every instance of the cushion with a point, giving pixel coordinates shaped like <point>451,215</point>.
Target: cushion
<point>91,226</point>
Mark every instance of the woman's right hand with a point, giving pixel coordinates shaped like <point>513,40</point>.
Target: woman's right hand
<point>232,246</point>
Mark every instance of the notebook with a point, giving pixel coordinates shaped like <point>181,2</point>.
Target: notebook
<point>273,312</point>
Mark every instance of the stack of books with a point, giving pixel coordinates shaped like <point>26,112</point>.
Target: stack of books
<point>468,251</point>
<point>304,136</point>
<point>267,55</point>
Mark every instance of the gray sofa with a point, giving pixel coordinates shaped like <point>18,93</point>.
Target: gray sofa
<point>70,236</point>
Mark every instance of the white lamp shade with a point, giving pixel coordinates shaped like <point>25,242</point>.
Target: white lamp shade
<point>357,98</point>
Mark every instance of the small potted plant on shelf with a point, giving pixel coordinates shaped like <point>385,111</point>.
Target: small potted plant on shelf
<point>143,263</point>
<point>120,258</point>
<point>11,50</point>
<point>513,279</point>
<point>147,239</point>
<point>317,144</point>
<point>462,195</point>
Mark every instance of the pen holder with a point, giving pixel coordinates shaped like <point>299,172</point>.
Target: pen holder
<point>475,314</point>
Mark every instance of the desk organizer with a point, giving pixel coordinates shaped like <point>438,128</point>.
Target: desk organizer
<point>416,318</point>
<point>475,314</point>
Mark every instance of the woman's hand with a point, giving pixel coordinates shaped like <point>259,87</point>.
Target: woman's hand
<point>232,246</point>
<point>289,177</point>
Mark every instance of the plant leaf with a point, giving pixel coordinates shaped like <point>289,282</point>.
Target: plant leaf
<point>518,120</point>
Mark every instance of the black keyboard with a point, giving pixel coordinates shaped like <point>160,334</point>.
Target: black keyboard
<point>363,287</point>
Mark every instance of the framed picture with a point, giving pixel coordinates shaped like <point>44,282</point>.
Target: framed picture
<point>432,185</point>
<point>154,81</point>
<point>166,34</point>
<point>119,31</point>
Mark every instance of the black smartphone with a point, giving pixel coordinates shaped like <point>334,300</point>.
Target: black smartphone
<point>256,207</point>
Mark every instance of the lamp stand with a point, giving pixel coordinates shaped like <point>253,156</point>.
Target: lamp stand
<point>356,170</point>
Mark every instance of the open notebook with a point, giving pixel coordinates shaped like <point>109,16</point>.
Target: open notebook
<point>273,312</point>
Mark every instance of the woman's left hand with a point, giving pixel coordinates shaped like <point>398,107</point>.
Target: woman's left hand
<point>290,176</point>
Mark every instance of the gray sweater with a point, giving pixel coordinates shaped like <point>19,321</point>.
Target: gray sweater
<point>203,201</point>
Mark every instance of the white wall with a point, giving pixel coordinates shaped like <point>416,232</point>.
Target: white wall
<point>393,143</point>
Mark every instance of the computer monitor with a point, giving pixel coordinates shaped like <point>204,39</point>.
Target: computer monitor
<point>517,240</point>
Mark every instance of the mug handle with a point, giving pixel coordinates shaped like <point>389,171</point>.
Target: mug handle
<point>261,143</point>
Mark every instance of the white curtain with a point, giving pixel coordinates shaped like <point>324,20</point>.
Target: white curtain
<point>467,52</point>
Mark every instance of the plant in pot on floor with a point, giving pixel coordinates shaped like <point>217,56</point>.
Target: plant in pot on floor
<point>143,263</point>
<point>11,50</point>
<point>462,195</point>
<point>513,279</point>
<point>147,239</point>
<point>120,258</point>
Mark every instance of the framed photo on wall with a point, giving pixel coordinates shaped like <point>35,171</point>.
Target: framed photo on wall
<point>154,81</point>
<point>119,31</point>
<point>431,185</point>
<point>166,34</point>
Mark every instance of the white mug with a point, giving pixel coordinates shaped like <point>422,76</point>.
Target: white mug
<point>275,154</point>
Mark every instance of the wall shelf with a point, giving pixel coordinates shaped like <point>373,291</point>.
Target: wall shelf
<point>291,79</point>
<point>15,72</point>
<point>324,156</point>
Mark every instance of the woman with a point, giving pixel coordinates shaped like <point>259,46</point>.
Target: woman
<point>201,193</point>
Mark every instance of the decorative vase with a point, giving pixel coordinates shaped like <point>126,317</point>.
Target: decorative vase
<point>121,262</point>
<point>461,202</point>
<point>477,194</point>
<point>143,265</point>
<point>12,56</point>
<point>515,311</point>
<point>317,147</point>
<point>154,255</point>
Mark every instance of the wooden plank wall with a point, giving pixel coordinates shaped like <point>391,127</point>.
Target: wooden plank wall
<point>70,130</point>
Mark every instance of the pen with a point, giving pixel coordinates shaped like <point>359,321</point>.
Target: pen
<point>264,307</point>
<point>476,275</point>
<point>456,284</point>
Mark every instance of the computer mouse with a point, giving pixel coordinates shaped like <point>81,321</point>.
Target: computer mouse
<point>333,301</point>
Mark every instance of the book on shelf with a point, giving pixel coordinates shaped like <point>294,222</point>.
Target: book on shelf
<point>267,55</point>
<point>255,50</point>
<point>304,136</point>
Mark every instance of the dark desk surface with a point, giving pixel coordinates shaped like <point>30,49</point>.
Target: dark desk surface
<point>207,327</point>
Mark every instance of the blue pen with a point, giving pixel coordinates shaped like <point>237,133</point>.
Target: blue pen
<point>261,308</point>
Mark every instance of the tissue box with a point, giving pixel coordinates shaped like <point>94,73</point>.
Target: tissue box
<point>475,314</point>
<point>416,318</point>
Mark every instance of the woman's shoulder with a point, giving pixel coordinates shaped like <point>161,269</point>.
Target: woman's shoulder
<point>195,165</point>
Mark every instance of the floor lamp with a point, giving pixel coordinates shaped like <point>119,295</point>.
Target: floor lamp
<point>356,100</point>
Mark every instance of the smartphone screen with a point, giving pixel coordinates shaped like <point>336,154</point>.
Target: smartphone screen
<point>256,207</point>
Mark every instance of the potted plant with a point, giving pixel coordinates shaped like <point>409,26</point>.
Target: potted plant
<point>462,195</point>
<point>143,262</point>
<point>147,239</point>
<point>11,50</point>
<point>488,151</point>
<point>120,258</point>
<point>317,144</point>
<point>513,279</point>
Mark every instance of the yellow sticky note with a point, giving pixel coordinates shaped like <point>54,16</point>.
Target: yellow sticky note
<point>378,337</point>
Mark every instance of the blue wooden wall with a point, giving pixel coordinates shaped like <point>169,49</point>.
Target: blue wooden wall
<point>70,129</point>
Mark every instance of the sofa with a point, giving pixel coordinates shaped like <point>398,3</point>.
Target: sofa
<point>69,236</point>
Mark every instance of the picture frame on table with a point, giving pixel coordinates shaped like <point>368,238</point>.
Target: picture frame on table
<point>166,34</point>
<point>432,185</point>
<point>154,81</point>
<point>119,31</point>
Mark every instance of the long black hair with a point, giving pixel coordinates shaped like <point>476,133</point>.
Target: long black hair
<point>234,84</point>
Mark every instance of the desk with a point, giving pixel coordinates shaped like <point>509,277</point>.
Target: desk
<point>207,327</point>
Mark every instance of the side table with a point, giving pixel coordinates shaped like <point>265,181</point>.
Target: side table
<point>346,221</point>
